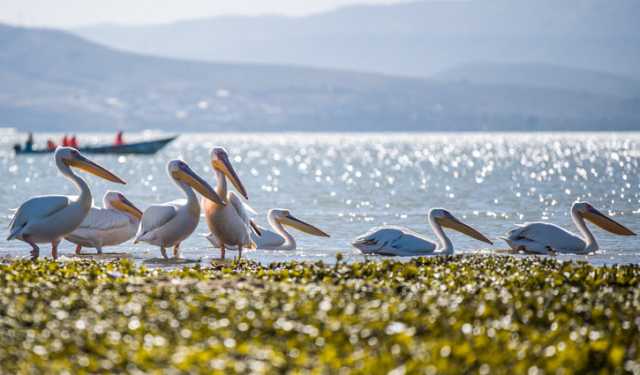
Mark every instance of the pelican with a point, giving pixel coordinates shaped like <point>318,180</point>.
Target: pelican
<point>230,223</point>
<point>48,218</point>
<point>116,222</point>
<point>390,240</point>
<point>279,238</point>
<point>546,238</point>
<point>168,224</point>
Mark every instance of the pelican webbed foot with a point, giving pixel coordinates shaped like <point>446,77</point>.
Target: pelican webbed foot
<point>163,251</point>
<point>35,250</point>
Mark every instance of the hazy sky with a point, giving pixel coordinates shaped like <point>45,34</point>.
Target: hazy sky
<point>70,13</point>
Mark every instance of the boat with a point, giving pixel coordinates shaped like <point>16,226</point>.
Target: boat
<point>141,148</point>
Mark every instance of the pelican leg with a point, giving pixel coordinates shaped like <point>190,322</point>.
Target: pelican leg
<point>35,252</point>
<point>78,249</point>
<point>222,250</point>
<point>54,248</point>
<point>239,252</point>
<point>99,248</point>
<point>163,251</point>
<point>176,251</point>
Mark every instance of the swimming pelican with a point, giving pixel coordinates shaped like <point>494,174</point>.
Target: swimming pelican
<point>116,222</point>
<point>279,238</point>
<point>230,223</point>
<point>48,218</point>
<point>170,223</point>
<point>389,240</point>
<point>545,238</point>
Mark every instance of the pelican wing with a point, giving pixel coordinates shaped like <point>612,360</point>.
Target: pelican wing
<point>104,219</point>
<point>393,241</point>
<point>240,207</point>
<point>268,239</point>
<point>37,208</point>
<point>543,238</point>
<point>155,217</point>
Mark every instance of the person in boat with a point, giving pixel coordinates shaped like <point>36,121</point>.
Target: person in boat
<point>65,141</point>
<point>119,139</point>
<point>28,145</point>
<point>73,142</point>
<point>51,145</point>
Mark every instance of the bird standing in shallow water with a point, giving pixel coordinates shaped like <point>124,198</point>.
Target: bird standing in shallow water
<point>112,224</point>
<point>229,223</point>
<point>168,224</point>
<point>48,218</point>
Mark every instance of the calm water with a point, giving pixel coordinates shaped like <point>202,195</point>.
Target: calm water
<point>347,183</point>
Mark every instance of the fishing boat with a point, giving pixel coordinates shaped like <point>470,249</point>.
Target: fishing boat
<point>141,148</point>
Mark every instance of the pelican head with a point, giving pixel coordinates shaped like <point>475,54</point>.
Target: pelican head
<point>220,162</point>
<point>446,219</point>
<point>587,211</point>
<point>181,172</point>
<point>70,157</point>
<point>284,216</point>
<point>117,201</point>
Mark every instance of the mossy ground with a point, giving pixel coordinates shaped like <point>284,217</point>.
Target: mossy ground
<point>479,314</point>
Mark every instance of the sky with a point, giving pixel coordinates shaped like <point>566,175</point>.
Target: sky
<point>74,13</point>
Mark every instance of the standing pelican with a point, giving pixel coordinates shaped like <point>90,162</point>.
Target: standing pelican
<point>48,218</point>
<point>230,223</point>
<point>545,238</point>
<point>116,222</point>
<point>279,238</point>
<point>170,223</point>
<point>404,242</point>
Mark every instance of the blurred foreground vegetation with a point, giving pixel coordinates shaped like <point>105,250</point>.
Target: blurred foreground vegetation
<point>480,314</point>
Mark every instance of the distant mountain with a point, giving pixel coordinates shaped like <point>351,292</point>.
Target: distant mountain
<point>415,38</point>
<point>52,80</point>
<point>543,75</point>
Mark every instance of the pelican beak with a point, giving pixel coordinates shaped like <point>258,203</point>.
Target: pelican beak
<point>606,223</point>
<point>255,227</point>
<point>300,225</point>
<point>455,224</point>
<point>87,165</point>
<point>222,164</point>
<point>201,186</point>
<point>125,205</point>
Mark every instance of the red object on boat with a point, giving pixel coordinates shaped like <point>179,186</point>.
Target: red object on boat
<point>119,139</point>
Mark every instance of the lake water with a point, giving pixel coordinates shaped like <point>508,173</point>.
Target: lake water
<point>347,183</point>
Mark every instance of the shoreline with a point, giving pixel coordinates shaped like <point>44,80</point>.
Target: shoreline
<point>466,313</point>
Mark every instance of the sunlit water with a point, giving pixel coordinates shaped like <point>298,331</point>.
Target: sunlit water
<point>347,183</point>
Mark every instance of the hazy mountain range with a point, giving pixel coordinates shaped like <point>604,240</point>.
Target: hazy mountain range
<point>53,80</point>
<point>414,38</point>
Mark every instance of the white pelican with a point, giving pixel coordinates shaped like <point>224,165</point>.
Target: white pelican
<point>279,238</point>
<point>546,238</point>
<point>170,223</point>
<point>48,218</point>
<point>389,240</point>
<point>116,222</point>
<point>229,223</point>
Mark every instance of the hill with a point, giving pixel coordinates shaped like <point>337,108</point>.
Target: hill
<point>52,80</point>
<point>414,38</point>
<point>543,75</point>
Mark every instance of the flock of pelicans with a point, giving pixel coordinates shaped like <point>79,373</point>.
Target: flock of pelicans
<point>50,218</point>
